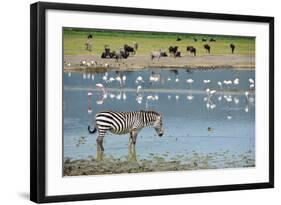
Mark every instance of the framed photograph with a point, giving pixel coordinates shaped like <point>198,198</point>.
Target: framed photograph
<point>129,102</point>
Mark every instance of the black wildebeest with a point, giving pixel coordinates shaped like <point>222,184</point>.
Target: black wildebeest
<point>90,36</point>
<point>173,50</point>
<point>177,54</point>
<point>191,50</point>
<point>107,53</point>
<point>207,48</point>
<point>212,40</point>
<point>178,39</point>
<point>122,54</point>
<point>232,46</point>
<point>158,54</point>
<point>129,49</point>
<point>136,46</point>
<point>195,39</point>
<point>204,39</point>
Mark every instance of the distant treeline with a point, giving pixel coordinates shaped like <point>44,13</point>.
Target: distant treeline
<point>147,34</point>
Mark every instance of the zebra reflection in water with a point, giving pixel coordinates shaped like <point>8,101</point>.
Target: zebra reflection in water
<point>125,122</point>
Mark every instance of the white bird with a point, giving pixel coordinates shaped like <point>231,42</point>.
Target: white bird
<point>139,80</point>
<point>177,97</point>
<point>229,117</point>
<point>219,84</point>
<point>213,106</point>
<point>236,81</point>
<point>118,78</point>
<point>189,97</point>
<point>106,65</point>
<point>105,76</point>
<point>93,77</point>
<point>169,97</point>
<point>168,79</point>
<point>139,99</point>
<point>246,108</point>
<point>252,86</point>
<point>90,93</point>
<point>227,82</point>
<point>101,87</point>
<point>124,96</point>
<point>99,102</point>
<point>251,80</point>
<point>206,81</point>
<point>111,79</point>
<point>93,63</point>
<point>111,95</point>
<point>68,64</point>
<point>150,97</point>
<point>228,98</point>
<point>82,62</point>
<point>213,92</point>
<point>138,89</point>
<point>154,78</point>
<point>177,79</point>
<point>118,97</point>
<point>190,81</point>
<point>236,100</point>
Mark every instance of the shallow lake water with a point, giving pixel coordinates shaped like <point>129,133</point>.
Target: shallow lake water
<point>200,116</point>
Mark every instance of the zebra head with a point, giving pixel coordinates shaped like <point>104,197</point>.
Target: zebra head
<point>158,125</point>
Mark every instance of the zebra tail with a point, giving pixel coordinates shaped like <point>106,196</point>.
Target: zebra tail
<point>92,131</point>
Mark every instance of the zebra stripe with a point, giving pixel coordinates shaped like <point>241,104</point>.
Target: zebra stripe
<point>126,122</point>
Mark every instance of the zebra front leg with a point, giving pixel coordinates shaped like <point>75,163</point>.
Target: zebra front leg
<point>133,137</point>
<point>132,156</point>
<point>100,143</point>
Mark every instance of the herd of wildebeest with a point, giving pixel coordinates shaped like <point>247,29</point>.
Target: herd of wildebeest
<point>130,50</point>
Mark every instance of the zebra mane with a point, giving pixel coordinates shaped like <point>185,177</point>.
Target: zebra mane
<point>150,111</point>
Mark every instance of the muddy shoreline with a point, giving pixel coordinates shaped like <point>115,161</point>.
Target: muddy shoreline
<point>134,63</point>
<point>157,163</point>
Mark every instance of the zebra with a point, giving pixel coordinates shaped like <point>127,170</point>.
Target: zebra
<point>125,122</point>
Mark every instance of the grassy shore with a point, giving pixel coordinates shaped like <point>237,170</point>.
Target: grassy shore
<point>220,57</point>
<point>74,42</point>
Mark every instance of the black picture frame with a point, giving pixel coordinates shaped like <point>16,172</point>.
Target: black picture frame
<point>38,101</point>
